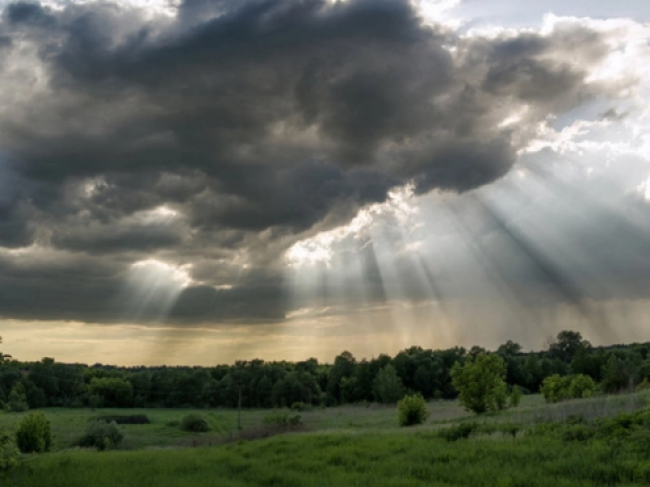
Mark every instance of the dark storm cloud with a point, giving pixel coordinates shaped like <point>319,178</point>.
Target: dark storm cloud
<point>252,121</point>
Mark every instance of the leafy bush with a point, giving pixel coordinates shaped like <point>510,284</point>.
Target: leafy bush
<point>102,435</point>
<point>480,383</point>
<point>34,434</point>
<point>461,431</point>
<point>194,423</point>
<point>515,397</point>
<point>643,385</point>
<point>299,406</point>
<point>125,419</point>
<point>9,454</point>
<point>621,425</point>
<point>556,388</point>
<point>581,386</point>
<point>412,410</point>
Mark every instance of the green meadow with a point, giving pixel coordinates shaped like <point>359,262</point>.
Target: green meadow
<point>533,444</point>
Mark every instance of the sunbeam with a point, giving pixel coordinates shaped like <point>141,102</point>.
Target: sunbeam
<point>151,290</point>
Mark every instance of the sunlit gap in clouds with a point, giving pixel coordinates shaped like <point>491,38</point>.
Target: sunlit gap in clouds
<point>351,280</point>
<point>153,285</point>
<point>152,288</point>
<point>557,243</point>
<point>560,242</point>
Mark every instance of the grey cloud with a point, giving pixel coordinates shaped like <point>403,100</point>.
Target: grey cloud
<point>254,121</point>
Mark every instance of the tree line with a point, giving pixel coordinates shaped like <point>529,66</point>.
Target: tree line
<point>348,380</point>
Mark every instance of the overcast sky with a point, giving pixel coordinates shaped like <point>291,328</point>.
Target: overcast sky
<point>204,181</point>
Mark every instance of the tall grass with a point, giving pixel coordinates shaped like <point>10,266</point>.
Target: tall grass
<point>591,408</point>
<point>333,459</point>
<point>346,446</point>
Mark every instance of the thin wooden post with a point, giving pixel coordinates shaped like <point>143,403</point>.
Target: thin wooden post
<point>239,409</point>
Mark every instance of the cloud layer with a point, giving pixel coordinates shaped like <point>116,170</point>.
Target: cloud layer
<point>213,140</point>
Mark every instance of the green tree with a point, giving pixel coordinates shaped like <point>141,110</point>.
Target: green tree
<point>588,363</point>
<point>94,401</point>
<point>42,375</point>
<point>387,386</point>
<point>533,372</point>
<point>344,366</point>
<point>567,344</point>
<point>619,373</point>
<point>509,348</point>
<point>35,396</point>
<point>2,355</point>
<point>423,380</point>
<point>17,401</point>
<point>363,378</point>
<point>348,387</point>
<point>480,382</point>
<point>114,392</point>
<point>264,388</point>
<point>515,397</point>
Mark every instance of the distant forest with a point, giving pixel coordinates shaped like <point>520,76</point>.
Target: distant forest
<point>262,384</point>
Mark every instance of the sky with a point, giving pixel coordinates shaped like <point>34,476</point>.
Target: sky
<point>197,182</point>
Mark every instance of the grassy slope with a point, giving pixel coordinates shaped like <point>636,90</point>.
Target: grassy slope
<point>346,446</point>
<point>337,459</point>
<point>69,424</point>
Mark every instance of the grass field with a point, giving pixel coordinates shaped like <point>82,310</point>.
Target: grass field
<point>342,446</point>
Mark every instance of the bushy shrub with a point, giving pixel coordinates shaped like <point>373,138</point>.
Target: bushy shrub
<point>458,432</point>
<point>9,454</point>
<point>412,410</point>
<point>622,424</point>
<point>581,386</point>
<point>556,388</point>
<point>102,435</point>
<point>515,397</point>
<point>643,385</point>
<point>194,423</point>
<point>34,434</point>
<point>299,406</point>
